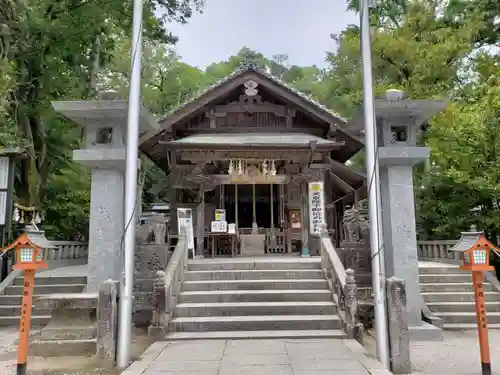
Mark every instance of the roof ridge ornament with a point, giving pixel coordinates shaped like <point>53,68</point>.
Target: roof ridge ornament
<point>249,64</point>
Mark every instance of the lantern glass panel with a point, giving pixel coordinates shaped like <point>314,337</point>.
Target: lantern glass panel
<point>466,257</point>
<point>39,255</point>
<point>479,256</point>
<point>26,254</point>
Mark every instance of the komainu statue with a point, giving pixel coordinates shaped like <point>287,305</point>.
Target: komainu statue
<point>356,227</point>
<point>153,231</point>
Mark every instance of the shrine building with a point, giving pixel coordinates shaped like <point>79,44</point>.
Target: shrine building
<point>256,148</point>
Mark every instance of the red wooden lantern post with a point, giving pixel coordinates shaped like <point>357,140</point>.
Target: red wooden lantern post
<point>29,247</point>
<point>475,256</point>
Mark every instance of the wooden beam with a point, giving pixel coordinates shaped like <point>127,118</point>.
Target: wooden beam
<point>344,186</point>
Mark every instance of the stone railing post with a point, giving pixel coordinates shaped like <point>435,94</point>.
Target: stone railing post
<point>399,334</point>
<point>159,318</point>
<point>353,327</point>
<point>107,322</point>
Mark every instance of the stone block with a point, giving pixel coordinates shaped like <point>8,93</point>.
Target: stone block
<point>107,322</point>
<point>73,316</point>
<point>399,335</point>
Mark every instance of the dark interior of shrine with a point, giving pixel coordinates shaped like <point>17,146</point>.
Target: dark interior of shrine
<point>245,209</point>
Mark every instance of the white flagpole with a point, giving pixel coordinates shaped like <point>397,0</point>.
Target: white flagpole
<point>373,179</point>
<point>131,201</point>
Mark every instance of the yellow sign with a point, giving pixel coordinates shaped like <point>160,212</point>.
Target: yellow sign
<point>316,187</point>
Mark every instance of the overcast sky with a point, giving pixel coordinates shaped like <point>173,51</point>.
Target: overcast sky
<point>298,28</point>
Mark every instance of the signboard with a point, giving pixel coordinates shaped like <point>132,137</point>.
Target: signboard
<point>4,173</point>
<point>295,219</point>
<point>316,207</point>
<point>220,215</point>
<point>3,208</point>
<point>185,225</point>
<point>219,227</point>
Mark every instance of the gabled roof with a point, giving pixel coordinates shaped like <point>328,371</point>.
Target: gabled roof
<point>309,106</point>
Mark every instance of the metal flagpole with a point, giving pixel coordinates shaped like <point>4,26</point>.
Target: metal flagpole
<point>131,201</point>
<point>373,178</point>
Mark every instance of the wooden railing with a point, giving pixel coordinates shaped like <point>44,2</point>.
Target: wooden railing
<point>437,251</point>
<point>67,250</point>
<point>343,286</point>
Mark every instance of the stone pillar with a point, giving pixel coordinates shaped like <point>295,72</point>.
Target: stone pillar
<point>107,322</point>
<point>106,226</point>
<point>399,335</point>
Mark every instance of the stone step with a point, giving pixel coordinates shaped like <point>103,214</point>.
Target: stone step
<point>451,287</point>
<point>254,274</point>
<point>15,310</point>
<point>467,317</point>
<point>247,335</point>
<point>255,308</point>
<point>430,297</point>
<point>444,307</point>
<point>62,348</point>
<point>36,320</point>
<point>466,326</point>
<point>444,269</point>
<point>255,264</point>
<point>446,278</point>
<point>219,296</point>
<point>51,280</point>
<point>47,289</point>
<point>256,323</point>
<point>189,286</point>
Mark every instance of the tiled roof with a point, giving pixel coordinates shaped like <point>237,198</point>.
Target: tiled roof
<point>253,138</point>
<point>252,66</point>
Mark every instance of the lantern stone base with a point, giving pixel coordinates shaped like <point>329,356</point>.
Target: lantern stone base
<point>425,332</point>
<point>73,319</point>
<point>81,324</point>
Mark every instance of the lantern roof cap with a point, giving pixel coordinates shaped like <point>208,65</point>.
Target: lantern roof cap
<point>471,239</point>
<point>33,237</point>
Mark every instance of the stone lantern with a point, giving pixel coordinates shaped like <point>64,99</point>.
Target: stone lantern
<point>104,123</point>
<point>399,122</point>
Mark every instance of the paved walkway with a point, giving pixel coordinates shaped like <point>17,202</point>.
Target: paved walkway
<point>256,357</point>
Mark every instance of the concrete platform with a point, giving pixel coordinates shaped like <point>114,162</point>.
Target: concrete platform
<point>256,357</point>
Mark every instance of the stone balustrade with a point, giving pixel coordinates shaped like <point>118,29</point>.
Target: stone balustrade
<point>438,251</point>
<point>67,250</point>
<point>166,288</point>
<point>343,285</point>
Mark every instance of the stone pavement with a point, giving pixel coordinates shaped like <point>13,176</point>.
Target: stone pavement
<point>256,357</point>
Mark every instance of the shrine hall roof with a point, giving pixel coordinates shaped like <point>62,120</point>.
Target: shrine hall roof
<point>255,140</point>
<point>152,143</point>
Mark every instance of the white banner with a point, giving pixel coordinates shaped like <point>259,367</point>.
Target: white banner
<point>185,225</point>
<point>4,173</point>
<point>316,207</point>
<point>3,208</point>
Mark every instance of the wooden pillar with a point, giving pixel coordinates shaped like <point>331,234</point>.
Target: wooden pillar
<point>236,206</point>
<point>200,223</point>
<point>222,196</point>
<point>282,205</point>
<point>271,197</point>
<point>255,227</point>
<point>304,213</point>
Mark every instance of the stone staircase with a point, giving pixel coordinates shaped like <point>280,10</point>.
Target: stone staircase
<point>255,298</point>
<point>10,302</point>
<point>449,294</point>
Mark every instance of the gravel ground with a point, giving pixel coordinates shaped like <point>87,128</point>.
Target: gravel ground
<point>59,365</point>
